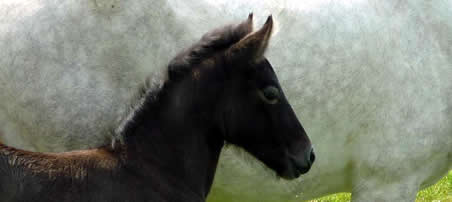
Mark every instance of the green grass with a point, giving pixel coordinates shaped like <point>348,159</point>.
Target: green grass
<point>341,197</point>
<point>440,192</point>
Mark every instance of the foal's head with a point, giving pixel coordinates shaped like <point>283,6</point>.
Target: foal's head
<point>246,103</point>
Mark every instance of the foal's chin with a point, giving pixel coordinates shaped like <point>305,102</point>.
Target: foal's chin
<point>292,172</point>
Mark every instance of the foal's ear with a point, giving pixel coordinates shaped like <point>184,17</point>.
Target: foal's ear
<point>245,27</point>
<point>253,46</point>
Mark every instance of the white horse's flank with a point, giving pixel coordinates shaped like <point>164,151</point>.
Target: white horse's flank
<point>369,80</point>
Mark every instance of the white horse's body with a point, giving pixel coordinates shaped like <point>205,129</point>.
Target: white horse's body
<point>371,82</point>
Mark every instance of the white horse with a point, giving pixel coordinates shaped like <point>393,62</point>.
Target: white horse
<point>370,81</point>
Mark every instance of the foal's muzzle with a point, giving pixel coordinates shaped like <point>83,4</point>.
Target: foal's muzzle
<point>300,164</point>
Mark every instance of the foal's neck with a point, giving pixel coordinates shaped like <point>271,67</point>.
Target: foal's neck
<point>174,145</point>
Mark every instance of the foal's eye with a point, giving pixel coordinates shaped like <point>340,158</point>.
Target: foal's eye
<point>270,94</point>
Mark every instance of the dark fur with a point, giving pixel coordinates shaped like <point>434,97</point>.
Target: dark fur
<point>172,142</point>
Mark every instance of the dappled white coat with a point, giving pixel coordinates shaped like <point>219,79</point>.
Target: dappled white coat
<point>371,82</point>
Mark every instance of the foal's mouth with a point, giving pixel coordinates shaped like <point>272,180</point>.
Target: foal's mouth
<point>298,166</point>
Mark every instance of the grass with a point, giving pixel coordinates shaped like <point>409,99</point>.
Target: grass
<point>440,192</point>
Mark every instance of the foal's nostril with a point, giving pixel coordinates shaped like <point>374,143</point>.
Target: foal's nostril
<point>303,162</point>
<point>312,156</point>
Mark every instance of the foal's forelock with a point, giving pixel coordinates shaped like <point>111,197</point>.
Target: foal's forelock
<point>211,43</point>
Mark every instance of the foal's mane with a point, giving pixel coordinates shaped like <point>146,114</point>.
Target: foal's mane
<point>180,67</point>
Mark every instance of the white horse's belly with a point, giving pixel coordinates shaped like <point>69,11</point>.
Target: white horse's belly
<point>369,81</point>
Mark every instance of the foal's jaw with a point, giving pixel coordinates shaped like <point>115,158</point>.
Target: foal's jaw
<point>286,165</point>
